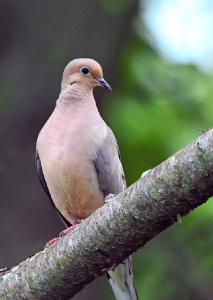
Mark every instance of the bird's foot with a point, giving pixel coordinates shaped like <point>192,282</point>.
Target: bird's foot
<point>65,231</point>
<point>62,233</point>
<point>109,197</point>
<point>52,242</point>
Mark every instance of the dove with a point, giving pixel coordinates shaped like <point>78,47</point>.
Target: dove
<point>77,158</point>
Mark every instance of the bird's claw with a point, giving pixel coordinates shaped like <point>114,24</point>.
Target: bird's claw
<point>61,234</point>
<point>65,231</point>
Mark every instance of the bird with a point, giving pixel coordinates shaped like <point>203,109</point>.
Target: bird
<point>78,161</point>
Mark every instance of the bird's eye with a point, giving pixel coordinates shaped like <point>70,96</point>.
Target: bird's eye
<point>85,70</point>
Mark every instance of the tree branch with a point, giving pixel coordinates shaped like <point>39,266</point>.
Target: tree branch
<point>157,200</point>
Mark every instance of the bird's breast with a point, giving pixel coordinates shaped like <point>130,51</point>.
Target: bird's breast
<point>67,156</point>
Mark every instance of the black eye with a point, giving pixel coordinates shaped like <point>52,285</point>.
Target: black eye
<point>85,70</point>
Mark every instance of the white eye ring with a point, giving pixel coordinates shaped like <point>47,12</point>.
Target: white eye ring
<point>84,70</point>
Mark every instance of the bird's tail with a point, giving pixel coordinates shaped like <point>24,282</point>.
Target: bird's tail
<point>122,281</point>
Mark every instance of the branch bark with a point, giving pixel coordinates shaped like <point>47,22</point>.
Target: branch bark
<point>157,200</point>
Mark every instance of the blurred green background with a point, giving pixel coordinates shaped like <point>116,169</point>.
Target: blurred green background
<point>158,56</point>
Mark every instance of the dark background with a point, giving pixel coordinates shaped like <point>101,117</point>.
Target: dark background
<point>155,109</point>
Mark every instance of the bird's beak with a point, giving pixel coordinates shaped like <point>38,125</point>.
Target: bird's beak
<point>102,82</point>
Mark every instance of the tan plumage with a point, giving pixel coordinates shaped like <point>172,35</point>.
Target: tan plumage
<point>74,187</point>
<point>77,156</point>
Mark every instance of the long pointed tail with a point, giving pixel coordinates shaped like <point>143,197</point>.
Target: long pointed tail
<point>122,281</point>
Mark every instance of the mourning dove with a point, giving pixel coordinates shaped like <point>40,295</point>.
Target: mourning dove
<point>77,157</point>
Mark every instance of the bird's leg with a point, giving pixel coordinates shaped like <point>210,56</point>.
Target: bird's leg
<point>62,233</point>
<point>65,231</point>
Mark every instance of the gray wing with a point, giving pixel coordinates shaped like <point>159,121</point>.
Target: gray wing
<point>108,166</point>
<point>42,180</point>
<point>112,181</point>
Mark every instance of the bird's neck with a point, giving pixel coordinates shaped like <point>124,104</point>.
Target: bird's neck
<point>73,95</point>
<point>73,101</point>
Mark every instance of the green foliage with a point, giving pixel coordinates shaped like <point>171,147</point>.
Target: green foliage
<point>157,109</point>
<point>115,6</point>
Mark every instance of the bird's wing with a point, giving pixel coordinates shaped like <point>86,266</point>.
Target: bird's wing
<point>112,181</point>
<point>42,180</point>
<point>108,166</point>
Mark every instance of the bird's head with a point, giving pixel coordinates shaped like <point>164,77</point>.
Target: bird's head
<point>85,73</point>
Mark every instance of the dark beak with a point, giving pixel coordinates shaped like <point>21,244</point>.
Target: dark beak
<point>104,84</point>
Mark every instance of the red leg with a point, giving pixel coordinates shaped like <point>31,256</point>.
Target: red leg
<point>65,231</point>
<point>52,242</point>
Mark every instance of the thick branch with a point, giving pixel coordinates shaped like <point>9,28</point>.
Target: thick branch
<point>113,232</point>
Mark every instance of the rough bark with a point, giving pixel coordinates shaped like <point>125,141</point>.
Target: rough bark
<point>127,222</point>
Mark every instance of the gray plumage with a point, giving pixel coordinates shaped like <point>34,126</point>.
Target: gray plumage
<point>108,166</point>
<point>112,181</point>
